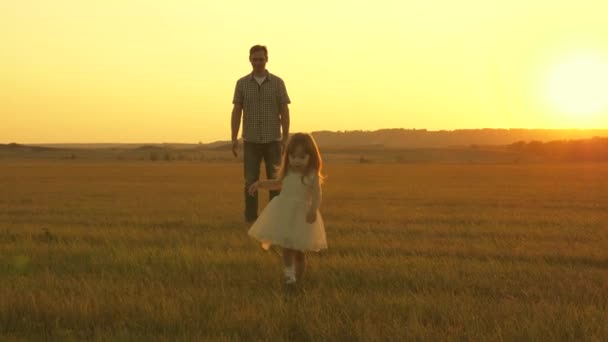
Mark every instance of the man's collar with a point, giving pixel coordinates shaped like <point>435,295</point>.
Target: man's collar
<point>267,75</point>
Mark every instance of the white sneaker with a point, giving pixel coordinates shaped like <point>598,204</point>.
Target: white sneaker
<point>290,280</point>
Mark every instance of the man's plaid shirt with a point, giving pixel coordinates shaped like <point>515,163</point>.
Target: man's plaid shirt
<point>261,107</point>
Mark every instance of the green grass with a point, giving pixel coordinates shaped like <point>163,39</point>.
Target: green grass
<point>158,251</point>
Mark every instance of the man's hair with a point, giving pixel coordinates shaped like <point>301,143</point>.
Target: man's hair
<point>257,48</point>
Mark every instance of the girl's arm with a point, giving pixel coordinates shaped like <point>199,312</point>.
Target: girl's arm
<point>270,184</point>
<point>315,188</point>
<point>316,193</point>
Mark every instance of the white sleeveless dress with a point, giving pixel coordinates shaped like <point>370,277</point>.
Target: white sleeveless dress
<point>283,221</point>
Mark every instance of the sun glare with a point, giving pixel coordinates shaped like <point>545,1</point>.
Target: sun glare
<point>578,85</point>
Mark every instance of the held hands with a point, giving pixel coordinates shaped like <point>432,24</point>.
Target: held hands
<point>253,188</point>
<point>311,216</point>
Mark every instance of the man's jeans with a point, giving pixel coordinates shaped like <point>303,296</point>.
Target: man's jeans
<point>253,153</point>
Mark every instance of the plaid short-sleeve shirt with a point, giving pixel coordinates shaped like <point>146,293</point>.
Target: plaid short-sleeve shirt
<point>261,107</point>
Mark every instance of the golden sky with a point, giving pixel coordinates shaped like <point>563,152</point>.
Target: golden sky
<point>164,71</point>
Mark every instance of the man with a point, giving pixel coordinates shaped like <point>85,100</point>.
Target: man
<point>261,99</point>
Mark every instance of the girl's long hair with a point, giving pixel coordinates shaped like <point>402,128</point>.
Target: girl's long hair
<point>310,147</point>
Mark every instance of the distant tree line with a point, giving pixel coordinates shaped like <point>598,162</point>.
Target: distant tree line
<point>594,149</point>
<point>168,156</point>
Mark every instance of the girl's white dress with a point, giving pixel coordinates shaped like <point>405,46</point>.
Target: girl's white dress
<point>283,221</point>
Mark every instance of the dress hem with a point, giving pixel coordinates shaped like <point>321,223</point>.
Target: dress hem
<point>270,243</point>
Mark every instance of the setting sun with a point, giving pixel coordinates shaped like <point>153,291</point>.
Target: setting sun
<point>578,85</point>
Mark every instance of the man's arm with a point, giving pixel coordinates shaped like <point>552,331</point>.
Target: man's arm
<point>285,123</point>
<point>284,112</point>
<point>237,113</point>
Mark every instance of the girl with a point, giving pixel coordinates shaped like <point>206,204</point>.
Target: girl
<point>292,219</point>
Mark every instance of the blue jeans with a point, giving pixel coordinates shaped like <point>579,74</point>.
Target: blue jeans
<point>253,153</point>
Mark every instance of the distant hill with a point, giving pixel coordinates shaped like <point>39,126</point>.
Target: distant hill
<point>422,138</point>
<point>594,149</point>
<point>96,146</point>
<point>14,147</point>
<point>387,146</point>
<point>389,138</point>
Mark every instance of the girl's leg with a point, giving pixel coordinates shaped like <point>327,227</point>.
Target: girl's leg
<point>300,262</point>
<point>288,257</point>
<point>288,261</point>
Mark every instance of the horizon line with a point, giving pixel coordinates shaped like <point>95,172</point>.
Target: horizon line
<point>317,131</point>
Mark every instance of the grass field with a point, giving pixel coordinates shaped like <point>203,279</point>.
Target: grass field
<point>158,251</point>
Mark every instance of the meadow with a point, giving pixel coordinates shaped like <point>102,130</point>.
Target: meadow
<point>141,250</point>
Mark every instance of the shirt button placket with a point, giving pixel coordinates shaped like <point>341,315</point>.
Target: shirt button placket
<point>260,112</point>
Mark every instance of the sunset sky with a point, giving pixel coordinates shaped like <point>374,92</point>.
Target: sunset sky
<point>164,71</point>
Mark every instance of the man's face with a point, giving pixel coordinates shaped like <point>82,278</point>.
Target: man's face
<point>258,61</point>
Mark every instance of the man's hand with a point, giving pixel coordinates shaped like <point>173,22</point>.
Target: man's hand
<point>284,144</point>
<point>235,147</point>
<point>253,188</point>
<point>311,216</point>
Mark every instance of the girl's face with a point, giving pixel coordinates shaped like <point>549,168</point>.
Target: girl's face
<point>298,158</point>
